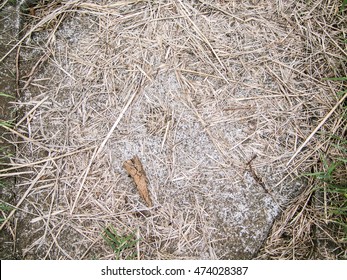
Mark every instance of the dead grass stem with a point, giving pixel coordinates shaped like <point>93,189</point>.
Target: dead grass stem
<point>196,89</point>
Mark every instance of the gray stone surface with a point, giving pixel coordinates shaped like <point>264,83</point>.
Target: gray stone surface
<point>218,109</point>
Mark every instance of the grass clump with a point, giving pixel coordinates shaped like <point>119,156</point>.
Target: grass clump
<point>334,182</point>
<point>6,124</point>
<point>315,225</point>
<point>123,246</point>
<point>3,94</point>
<point>344,5</point>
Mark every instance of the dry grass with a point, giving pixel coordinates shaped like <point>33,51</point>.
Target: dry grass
<point>311,228</point>
<point>314,224</point>
<point>195,88</point>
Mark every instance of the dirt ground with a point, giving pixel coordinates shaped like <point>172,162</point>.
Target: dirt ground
<point>214,97</point>
<point>8,90</point>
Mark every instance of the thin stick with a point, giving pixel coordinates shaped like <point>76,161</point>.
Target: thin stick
<point>91,245</point>
<point>15,174</point>
<point>46,216</point>
<point>165,135</point>
<point>204,38</point>
<point>44,160</point>
<point>3,4</point>
<point>24,196</point>
<point>33,141</point>
<point>98,149</point>
<point>316,129</point>
<point>43,21</point>
<point>32,110</point>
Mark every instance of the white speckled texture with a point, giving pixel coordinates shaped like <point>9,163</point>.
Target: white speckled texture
<point>195,125</point>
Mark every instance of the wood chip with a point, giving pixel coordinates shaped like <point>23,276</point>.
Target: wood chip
<point>135,170</point>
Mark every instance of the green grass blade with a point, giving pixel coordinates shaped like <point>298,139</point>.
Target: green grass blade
<point>4,207</point>
<point>6,95</point>
<point>336,79</point>
<point>344,4</point>
<point>119,243</point>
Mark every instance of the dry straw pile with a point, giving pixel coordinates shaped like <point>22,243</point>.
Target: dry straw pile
<point>215,98</point>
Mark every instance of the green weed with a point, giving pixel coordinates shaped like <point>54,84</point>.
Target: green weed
<point>344,5</point>
<point>6,95</point>
<point>5,153</point>
<point>123,246</point>
<point>4,208</point>
<point>8,123</point>
<point>334,179</point>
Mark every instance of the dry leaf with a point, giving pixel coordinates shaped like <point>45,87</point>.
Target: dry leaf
<point>135,169</point>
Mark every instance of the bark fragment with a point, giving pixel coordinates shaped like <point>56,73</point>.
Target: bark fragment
<point>135,170</point>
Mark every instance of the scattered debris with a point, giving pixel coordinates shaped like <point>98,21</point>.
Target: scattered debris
<point>198,87</point>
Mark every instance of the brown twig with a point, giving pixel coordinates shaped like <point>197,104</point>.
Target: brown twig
<point>135,170</point>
